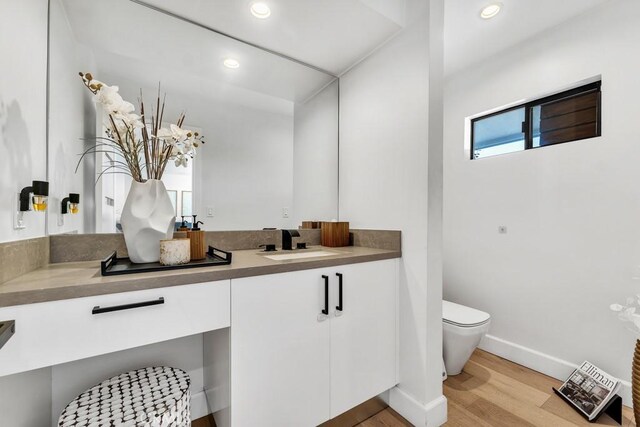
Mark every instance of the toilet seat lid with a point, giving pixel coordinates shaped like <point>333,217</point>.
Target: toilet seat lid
<point>461,315</point>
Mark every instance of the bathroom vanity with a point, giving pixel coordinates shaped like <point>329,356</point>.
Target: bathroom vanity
<point>285,342</point>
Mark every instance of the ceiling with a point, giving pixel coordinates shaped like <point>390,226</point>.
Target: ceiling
<point>329,34</point>
<point>128,38</point>
<point>469,38</point>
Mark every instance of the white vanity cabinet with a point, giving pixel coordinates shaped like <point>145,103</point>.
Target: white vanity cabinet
<point>56,332</point>
<point>364,335</point>
<point>292,364</point>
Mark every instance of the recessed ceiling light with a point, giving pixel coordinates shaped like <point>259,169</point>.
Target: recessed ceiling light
<point>260,10</point>
<point>231,63</point>
<point>491,10</point>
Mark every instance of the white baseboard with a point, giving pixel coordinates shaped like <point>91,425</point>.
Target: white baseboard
<point>541,362</point>
<point>433,414</point>
<point>199,407</point>
<point>436,412</point>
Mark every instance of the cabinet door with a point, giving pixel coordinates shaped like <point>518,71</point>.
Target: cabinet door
<point>363,335</point>
<point>279,351</point>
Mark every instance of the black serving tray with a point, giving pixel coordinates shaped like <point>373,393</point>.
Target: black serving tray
<point>112,265</point>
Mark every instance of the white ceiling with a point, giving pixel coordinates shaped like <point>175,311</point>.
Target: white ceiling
<point>330,34</point>
<point>158,48</point>
<point>469,38</point>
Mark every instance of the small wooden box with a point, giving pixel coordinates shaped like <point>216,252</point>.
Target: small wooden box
<point>310,224</point>
<point>334,234</point>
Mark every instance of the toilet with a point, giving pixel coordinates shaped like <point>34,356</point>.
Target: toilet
<point>463,328</point>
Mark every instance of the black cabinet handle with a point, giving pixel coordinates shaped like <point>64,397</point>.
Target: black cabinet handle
<point>339,307</point>
<point>7,329</point>
<point>326,295</point>
<point>98,310</point>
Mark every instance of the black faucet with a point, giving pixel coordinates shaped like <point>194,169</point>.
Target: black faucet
<point>286,238</point>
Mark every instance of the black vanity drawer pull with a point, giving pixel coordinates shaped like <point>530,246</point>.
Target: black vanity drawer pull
<point>98,310</point>
<point>326,295</point>
<point>7,329</point>
<point>339,307</point>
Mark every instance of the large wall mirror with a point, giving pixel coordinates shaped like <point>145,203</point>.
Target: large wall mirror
<point>270,124</point>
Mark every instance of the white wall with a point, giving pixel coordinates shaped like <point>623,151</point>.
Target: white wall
<point>387,116</point>
<point>315,157</point>
<point>23,151</point>
<point>571,211</point>
<point>71,123</point>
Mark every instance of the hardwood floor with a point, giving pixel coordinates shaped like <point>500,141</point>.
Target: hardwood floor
<point>385,418</point>
<point>493,392</point>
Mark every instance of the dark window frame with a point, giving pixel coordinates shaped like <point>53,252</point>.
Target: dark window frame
<point>528,106</point>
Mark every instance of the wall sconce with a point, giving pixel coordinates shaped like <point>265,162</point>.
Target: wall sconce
<point>31,198</point>
<point>40,191</point>
<point>70,204</point>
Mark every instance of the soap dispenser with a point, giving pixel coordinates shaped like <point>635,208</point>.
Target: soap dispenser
<point>196,236</point>
<point>183,225</point>
<point>198,244</point>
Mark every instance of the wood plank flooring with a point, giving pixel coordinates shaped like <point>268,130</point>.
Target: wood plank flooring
<point>494,392</point>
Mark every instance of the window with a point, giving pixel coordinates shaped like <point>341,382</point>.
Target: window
<point>564,117</point>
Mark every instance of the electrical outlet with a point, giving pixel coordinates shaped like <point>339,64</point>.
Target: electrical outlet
<point>502,229</point>
<point>210,212</point>
<point>18,217</point>
<point>285,212</point>
<point>18,221</point>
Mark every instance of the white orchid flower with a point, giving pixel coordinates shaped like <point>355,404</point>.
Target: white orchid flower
<point>109,98</point>
<point>126,108</point>
<point>175,133</point>
<point>135,120</point>
<point>627,313</point>
<point>616,307</point>
<point>127,122</point>
<point>178,133</point>
<point>187,145</point>
<point>164,133</point>
<point>181,160</point>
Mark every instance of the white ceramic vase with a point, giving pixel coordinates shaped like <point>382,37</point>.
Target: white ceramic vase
<point>147,217</point>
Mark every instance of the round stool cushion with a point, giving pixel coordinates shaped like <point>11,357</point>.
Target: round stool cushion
<point>150,397</point>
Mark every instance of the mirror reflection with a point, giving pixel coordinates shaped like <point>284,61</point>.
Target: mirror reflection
<point>266,121</point>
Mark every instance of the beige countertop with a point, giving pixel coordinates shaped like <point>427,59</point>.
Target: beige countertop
<point>82,279</point>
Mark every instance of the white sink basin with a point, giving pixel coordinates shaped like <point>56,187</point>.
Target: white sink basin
<point>299,255</point>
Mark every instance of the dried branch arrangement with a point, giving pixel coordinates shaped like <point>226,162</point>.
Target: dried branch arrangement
<point>144,145</point>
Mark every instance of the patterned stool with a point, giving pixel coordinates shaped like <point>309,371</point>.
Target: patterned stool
<point>149,397</point>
